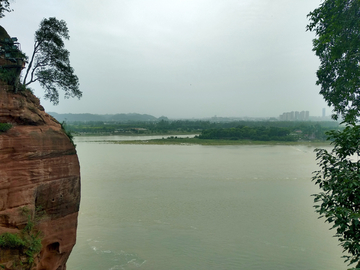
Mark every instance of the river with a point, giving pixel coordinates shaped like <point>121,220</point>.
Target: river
<point>168,207</point>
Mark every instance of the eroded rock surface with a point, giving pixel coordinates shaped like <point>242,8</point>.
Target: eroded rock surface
<point>39,172</point>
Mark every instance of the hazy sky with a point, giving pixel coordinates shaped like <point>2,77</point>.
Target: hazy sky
<point>182,58</point>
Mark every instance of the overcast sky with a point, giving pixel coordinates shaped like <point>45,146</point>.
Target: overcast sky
<point>182,58</point>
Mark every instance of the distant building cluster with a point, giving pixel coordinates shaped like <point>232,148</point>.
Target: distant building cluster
<point>294,116</point>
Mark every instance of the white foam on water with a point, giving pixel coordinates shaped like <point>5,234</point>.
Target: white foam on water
<point>135,263</point>
<point>116,267</point>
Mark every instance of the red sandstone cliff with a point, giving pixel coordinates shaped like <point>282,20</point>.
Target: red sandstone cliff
<point>39,171</point>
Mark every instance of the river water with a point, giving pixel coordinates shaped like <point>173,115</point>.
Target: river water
<point>168,207</point>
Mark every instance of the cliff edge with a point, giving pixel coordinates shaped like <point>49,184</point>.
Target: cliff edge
<point>39,186</point>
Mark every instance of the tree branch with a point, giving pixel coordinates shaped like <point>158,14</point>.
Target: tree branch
<point>36,47</point>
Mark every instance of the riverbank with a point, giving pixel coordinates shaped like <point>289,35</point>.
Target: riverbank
<point>196,141</point>
<point>165,134</point>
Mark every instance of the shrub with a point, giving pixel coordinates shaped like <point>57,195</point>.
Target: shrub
<point>11,241</point>
<point>68,133</point>
<point>27,242</point>
<point>5,127</point>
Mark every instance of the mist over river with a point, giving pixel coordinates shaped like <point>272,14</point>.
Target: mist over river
<point>168,207</point>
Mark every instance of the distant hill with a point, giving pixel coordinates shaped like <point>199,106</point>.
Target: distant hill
<point>122,117</point>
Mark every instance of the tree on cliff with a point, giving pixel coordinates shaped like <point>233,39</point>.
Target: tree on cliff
<point>4,6</point>
<point>49,64</point>
<point>337,44</point>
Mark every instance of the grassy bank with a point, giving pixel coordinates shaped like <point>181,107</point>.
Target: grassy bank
<point>196,141</point>
<point>165,134</point>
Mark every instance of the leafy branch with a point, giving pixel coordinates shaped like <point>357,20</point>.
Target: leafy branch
<point>50,64</point>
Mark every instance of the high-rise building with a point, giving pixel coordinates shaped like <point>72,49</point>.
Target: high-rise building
<point>295,116</point>
<point>302,115</point>
<point>292,116</point>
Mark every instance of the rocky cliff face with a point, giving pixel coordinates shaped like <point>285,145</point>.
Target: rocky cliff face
<point>39,182</point>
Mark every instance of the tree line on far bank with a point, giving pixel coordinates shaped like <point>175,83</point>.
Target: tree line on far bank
<point>237,130</point>
<point>250,133</point>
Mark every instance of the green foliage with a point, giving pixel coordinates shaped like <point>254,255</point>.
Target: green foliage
<point>27,242</point>
<point>249,133</point>
<point>11,241</point>
<point>339,180</point>
<point>68,132</point>
<point>50,63</point>
<point>5,127</point>
<point>8,75</point>
<point>337,28</point>
<point>33,246</point>
<point>337,44</point>
<point>39,213</point>
<point>10,72</point>
<point>4,6</point>
<point>300,130</point>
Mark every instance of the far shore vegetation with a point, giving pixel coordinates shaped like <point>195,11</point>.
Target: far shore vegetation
<point>210,133</point>
<point>174,140</point>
